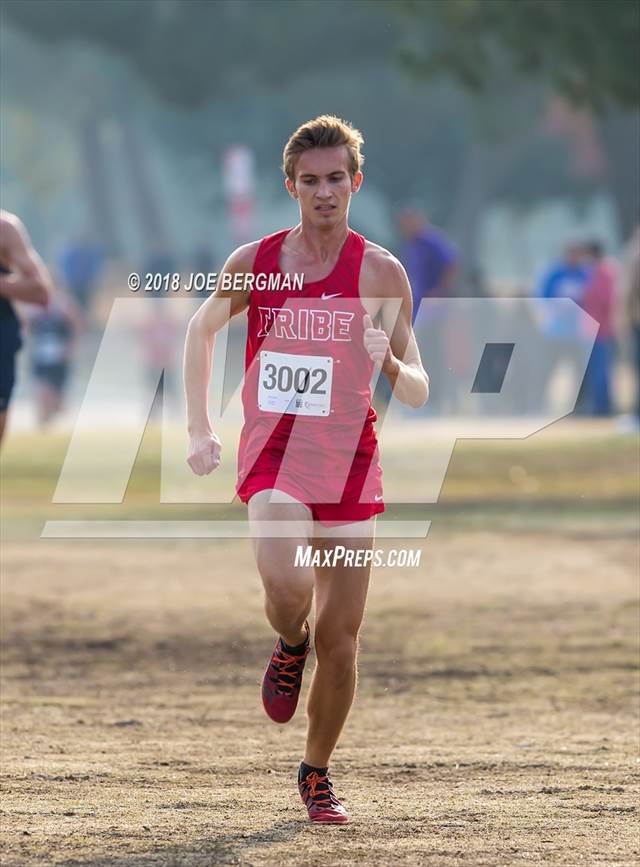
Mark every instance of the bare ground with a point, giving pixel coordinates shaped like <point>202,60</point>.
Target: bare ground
<point>495,721</point>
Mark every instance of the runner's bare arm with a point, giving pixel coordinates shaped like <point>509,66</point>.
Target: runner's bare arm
<point>394,345</point>
<point>204,448</point>
<point>29,280</point>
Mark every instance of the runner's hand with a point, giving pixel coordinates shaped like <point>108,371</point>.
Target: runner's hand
<point>376,341</point>
<point>204,453</point>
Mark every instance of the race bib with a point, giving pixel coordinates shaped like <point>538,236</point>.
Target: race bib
<point>298,384</point>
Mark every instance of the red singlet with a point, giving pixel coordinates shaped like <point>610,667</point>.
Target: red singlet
<point>308,428</point>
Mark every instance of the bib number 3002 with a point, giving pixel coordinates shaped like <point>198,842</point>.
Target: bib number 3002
<point>297,384</point>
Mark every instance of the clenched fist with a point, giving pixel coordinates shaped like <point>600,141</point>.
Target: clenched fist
<point>376,341</point>
<point>204,453</point>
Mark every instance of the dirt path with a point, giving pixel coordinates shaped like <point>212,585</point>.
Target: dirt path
<point>495,721</point>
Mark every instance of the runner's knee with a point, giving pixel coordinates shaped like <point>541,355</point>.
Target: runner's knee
<point>336,653</point>
<point>284,585</point>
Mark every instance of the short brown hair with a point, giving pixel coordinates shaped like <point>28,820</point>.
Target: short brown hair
<point>325,131</point>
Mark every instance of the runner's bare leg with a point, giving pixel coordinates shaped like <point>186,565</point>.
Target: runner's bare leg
<point>341,594</point>
<point>288,589</point>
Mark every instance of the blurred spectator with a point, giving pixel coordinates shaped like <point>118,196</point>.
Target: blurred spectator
<point>630,310</point>
<point>561,327</point>
<point>203,262</point>
<point>203,258</point>
<point>429,257</point>
<point>476,284</point>
<point>159,261</point>
<point>54,331</point>
<point>81,263</point>
<point>23,277</point>
<point>431,263</point>
<point>599,302</point>
<point>160,337</point>
<point>490,373</point>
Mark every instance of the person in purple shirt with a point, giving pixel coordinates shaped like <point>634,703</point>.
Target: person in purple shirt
<point>431,263</point>
<point>430,258</point>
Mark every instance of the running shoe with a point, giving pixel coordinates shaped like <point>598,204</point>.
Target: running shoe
<point>316,791</point>
<point>282,681</point>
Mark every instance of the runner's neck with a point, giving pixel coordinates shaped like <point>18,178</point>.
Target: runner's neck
<point>315,246</point>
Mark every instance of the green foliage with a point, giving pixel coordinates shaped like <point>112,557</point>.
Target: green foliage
<point>195,50</point>
<point>586,49</point>
<point>199,76</point>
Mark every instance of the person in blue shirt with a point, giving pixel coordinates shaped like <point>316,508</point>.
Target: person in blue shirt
<point>562,336</point>
<point>81,263</point>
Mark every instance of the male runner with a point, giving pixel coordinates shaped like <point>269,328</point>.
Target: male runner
<point>297,440</point>
<point>23,277</point>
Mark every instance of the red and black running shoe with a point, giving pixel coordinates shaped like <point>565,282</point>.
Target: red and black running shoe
<point>282,681</point>
<point>316,791</point>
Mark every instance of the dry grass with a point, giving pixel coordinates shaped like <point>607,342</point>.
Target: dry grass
<point>494,724</point>
<point>496,717</point>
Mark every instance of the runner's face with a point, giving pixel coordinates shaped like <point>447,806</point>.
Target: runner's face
<point>323,185</point>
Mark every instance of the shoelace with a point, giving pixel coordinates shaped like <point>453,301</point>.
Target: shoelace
<point>312,782</point>
<point>289,668</point>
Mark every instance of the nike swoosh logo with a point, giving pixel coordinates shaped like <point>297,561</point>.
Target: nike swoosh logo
<point>377,497</point>
<point>326,297</point>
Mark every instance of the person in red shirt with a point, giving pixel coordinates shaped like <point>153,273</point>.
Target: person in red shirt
<point>628,319</point>
<point>308,451</point>
<point>599,301</point>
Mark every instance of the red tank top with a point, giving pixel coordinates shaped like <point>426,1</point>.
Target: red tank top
<point>306,394</point>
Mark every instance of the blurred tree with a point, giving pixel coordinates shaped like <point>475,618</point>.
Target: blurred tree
<point>193,50</point>
<point>190,52</point>
<point>219,71</point>
<point>586,49</point>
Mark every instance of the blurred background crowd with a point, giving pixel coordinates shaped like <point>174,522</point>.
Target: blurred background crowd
<point>501,144</point>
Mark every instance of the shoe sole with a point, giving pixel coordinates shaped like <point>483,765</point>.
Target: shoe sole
<point>334,820</point>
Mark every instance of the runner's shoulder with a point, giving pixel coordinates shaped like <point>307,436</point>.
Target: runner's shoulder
<point>382,272</point>
<point>239,262</point>
<point>10,220</point>
<point>12,229</point>
<point>242,259</point>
